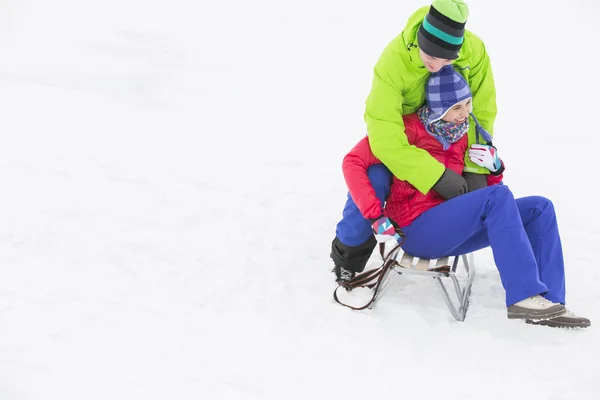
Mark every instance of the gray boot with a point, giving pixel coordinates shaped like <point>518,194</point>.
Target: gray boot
<point>535,307</point>
<point>567,320</point>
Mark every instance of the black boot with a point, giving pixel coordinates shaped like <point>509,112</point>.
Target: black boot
<point>342,274</point>
<point>350,260</point>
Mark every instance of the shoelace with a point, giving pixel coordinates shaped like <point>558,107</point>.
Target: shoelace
<point>541,300</point>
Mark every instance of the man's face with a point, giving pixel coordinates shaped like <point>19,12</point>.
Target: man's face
<point>431,63</point>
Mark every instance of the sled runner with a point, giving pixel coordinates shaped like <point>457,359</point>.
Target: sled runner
<point>442,271</point>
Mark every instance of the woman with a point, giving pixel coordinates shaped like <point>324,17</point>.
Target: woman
<point>523,233</point>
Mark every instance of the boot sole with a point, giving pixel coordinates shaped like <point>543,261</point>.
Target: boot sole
<point>561,324</point>
<point>515,312</point>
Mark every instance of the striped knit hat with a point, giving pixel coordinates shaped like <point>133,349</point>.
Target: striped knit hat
<point>442,32</point>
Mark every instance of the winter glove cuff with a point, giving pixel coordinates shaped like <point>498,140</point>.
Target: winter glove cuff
<point>499,171</point>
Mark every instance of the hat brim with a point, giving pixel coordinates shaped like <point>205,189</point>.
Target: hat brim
<point>435,118</point>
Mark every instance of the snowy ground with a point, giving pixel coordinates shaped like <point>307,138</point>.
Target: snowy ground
<point>171,180</point>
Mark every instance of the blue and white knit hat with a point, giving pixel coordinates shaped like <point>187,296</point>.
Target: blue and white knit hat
<point>443,90</point>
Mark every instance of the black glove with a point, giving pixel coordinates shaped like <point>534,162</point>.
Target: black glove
<point>475,181</point>
<point>450,185</point>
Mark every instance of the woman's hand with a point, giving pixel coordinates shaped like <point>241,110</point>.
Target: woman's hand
<point>485,156</point>
<point>384,230</point>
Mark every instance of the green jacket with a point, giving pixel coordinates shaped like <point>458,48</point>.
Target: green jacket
<point>399,88</point>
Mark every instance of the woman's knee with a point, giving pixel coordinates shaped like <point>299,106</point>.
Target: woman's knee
<point>541,204</point>
<point>500,190</point>
<point>532,207</point>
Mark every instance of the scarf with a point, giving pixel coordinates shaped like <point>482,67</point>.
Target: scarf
<point>447,132</point>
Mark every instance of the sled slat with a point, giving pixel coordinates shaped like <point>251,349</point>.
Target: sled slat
<point>442,262</point>
<point>406,260</point>
<point>423,264</point>
<point>444,271</point>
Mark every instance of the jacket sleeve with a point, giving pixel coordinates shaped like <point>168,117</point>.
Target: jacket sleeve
<point>354,167</point>
<point>386,129</point>
<point>495,179</point>
<point>481,81</point>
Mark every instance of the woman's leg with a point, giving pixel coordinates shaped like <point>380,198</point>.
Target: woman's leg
<point>541,227</point>
<point>473,221</point>
<point>354,241</point>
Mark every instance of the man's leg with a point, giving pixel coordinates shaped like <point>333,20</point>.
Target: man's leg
<point>354,241</point>
<point>473,221</point>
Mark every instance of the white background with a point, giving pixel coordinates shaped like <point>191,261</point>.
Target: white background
<point>170,181</point>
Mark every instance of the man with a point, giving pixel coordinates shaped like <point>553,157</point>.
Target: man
<point>434,36</point>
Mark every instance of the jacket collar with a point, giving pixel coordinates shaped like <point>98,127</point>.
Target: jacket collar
<point>409,36</point>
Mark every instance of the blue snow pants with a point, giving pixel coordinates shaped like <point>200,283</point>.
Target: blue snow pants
<point>354,229</point>
<point>523,234</point>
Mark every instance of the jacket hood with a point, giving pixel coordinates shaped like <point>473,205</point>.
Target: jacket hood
<point>409,34</point>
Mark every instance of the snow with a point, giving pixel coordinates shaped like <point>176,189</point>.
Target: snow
<point>171,180</point>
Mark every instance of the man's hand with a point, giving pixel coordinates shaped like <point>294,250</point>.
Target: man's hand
<point>450,185</point>
<point>475,181</point>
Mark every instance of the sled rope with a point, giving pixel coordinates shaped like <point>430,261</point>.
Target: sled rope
<point>372,278</point>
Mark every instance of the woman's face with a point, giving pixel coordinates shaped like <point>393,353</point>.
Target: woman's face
<point>433,64</point>
<point>458,113</point>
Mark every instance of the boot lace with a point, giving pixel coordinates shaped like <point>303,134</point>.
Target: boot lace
<point>542,301</point>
